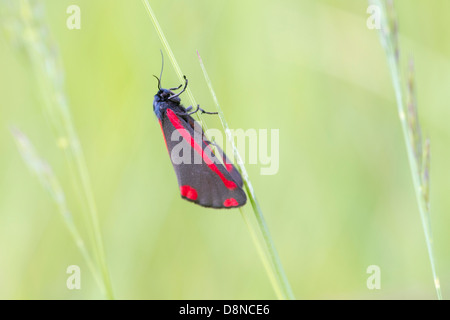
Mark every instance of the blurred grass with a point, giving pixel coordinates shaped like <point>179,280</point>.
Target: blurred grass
<point>417,147</point>
<point>25,25</point>
<point>341,201</point>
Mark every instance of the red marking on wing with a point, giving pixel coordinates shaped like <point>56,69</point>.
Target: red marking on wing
<point>228,166</point>
<point>187,136</point>
<point>189,192</point>
<point>231,202</point>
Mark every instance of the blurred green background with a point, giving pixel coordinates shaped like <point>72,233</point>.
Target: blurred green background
<point>341,201</point>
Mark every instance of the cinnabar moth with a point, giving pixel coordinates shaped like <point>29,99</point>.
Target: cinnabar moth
<point>204,180</point>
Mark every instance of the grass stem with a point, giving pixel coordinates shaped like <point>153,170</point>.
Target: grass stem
<point>33,33</point>
<point>49,181</point>
<point>410,126</point>
<point>264,242</point>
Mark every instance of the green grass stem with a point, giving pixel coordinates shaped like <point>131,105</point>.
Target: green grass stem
<point>32,33</point>
<point>407,111</point>
<point>49,181</point>
<point>259,230</point>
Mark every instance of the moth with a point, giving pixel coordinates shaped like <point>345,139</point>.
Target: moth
<point>202,177</point>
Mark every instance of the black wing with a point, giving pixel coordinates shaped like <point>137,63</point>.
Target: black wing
<point>202,177</point>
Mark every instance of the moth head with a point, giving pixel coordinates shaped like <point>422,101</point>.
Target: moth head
<point>165,95</point>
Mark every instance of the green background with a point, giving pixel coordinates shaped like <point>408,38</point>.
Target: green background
<point>343,197</point>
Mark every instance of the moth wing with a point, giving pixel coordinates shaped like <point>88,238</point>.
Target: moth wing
<point>202,177</point>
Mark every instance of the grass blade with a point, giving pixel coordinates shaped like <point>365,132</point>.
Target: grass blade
<point>418,154</point>
<point>27,23</point>
<point>49,181</point>
<point>263,242</point>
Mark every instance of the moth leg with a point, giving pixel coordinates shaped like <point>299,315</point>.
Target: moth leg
<point>199,109</point>
<point>207,112</point>
<point>187,113</point>
<point>195,111</point>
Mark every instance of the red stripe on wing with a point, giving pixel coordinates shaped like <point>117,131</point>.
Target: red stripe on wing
<point>188,137</point>
<point>228,166</point>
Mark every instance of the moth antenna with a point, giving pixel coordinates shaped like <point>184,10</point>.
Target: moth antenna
<point>162,68</point>
<point>159,82</point>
